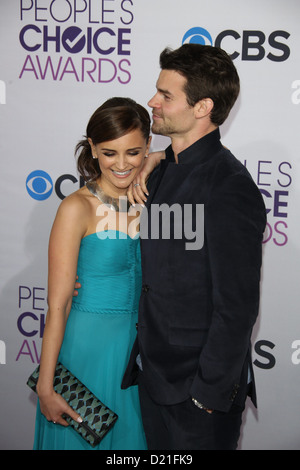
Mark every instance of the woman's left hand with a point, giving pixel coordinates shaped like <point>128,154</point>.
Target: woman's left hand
<point>137,191</point>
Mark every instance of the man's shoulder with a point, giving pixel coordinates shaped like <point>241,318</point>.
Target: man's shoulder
<point>228,165</point>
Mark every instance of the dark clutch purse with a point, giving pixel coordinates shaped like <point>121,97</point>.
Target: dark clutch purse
<point>97,418</point>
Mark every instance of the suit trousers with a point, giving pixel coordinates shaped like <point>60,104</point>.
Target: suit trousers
<point>184,426</point>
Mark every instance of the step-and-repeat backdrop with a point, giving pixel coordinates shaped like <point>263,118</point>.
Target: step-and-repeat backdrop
<point>59,60</point>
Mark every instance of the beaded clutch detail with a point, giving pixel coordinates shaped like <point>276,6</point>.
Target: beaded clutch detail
<point>97,419</point>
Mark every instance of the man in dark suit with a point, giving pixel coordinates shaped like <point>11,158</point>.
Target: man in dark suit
<point>199,302</point>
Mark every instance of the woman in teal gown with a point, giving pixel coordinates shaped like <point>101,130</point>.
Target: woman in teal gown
<point>95,238</point>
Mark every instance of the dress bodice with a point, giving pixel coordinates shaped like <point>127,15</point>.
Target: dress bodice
<point>109,271</point>
<point>98,339</point>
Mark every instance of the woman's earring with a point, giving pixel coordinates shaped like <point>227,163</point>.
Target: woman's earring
<point>146,156</point>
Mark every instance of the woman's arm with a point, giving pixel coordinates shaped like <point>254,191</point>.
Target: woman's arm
<point>65,238</point>
<point>137,191</point>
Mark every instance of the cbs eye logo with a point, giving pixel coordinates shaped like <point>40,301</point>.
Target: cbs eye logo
<point>39,185</point>
<point>248,45</point>
<point>198,36</point>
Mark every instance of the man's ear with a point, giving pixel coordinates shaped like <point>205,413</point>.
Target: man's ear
<point>203,107</point>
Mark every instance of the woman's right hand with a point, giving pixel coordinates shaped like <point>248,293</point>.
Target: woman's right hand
<point>54,406</point>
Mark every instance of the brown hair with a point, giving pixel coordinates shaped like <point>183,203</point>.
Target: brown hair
<point>209,73</point>
<point>115,118</point>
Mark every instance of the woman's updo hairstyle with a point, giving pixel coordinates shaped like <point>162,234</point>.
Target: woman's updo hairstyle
<point>115,118</point>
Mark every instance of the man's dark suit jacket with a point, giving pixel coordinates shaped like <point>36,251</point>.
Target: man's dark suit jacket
<point>198,307</point>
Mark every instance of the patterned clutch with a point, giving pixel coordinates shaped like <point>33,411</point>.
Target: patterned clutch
<point>97,418</point>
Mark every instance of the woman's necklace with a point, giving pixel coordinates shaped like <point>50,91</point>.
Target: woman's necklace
<point>120,204</point>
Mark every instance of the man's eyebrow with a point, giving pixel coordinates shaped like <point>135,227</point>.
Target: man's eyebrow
<point>164,92</point>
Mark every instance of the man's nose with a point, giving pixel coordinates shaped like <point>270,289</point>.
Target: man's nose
<point>153,102</point>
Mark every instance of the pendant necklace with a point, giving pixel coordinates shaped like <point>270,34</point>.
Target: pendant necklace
<point>120,204</point>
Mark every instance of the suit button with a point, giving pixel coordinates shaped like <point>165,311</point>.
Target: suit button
<point>136,326</point>
<point>145,288</point>
<point>234,392</point>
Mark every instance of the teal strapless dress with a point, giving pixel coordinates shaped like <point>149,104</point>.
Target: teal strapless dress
<point>99,335</point>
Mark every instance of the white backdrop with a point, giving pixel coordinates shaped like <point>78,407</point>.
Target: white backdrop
<point>59,60</point>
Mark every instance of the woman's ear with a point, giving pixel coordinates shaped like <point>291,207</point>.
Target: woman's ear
<point>148,145</point>
<point>93,148</point>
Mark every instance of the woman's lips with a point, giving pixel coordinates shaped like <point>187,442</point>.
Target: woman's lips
<point>121,174</point>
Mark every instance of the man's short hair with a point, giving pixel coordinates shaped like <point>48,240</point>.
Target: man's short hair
<point>209,72</point>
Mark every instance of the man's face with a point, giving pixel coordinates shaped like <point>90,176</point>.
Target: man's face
<point>172,115</point>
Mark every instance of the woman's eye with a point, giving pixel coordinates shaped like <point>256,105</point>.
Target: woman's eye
<point>108,154</point>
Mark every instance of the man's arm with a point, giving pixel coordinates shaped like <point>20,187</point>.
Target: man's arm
<point>234,225</point>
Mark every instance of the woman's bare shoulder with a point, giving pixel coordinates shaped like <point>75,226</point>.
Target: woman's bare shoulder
<point>77,202</point>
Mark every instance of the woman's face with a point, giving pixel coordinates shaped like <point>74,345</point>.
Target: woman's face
<point>120,160</point>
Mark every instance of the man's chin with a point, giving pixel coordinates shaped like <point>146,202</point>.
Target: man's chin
<point>156,129</point>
